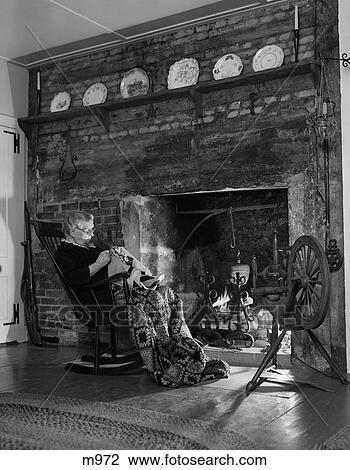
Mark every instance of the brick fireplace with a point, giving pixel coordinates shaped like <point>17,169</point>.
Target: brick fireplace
<point>140,167</point>
<point>186,235</point>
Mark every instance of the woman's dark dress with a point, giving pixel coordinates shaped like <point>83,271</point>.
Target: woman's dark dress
<point>157,323</point>
<point>74,262</point>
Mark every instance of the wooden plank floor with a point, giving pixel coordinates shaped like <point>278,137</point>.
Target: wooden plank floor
<point>276,416</point>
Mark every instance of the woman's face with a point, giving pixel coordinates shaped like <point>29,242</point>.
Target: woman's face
<point>82,232</point>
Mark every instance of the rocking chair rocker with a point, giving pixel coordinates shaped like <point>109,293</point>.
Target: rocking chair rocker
<point>114,360</point>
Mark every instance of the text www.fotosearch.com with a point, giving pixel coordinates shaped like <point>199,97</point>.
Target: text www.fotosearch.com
<point>210,460</point>
<point>174,460</point>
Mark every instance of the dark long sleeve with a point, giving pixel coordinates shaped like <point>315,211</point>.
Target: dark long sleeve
<point>74,262</point>
<point>73,274</point>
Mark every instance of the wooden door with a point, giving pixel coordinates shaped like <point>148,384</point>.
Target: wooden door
<point>12,194</point>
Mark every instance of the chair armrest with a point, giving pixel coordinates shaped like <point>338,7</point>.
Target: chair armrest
<point>115,277</point>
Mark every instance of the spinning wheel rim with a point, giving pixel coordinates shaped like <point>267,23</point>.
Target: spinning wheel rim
<point>308,282</point>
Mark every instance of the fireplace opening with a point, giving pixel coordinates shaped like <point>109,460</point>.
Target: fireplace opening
<point>206,234</point>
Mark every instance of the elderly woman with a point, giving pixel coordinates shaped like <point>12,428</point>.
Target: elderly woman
<point>156,319</point>
<point>82,262</point>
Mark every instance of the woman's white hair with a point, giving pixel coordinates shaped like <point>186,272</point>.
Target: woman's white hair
<point>73,220</point>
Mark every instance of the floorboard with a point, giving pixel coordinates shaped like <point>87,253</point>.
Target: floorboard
<point>276,416</point>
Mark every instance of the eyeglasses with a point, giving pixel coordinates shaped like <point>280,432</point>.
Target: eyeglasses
<point>88,231</point>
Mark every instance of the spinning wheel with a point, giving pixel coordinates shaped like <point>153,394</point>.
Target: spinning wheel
<point>307,301</point>
<point>308,282</point>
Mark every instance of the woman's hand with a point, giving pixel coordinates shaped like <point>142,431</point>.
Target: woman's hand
<point>135,262</point>
<point>102,260</point>
<point>119,249</point>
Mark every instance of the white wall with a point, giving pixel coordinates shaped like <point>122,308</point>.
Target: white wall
<point>13,89</point>
<point>344,36</point>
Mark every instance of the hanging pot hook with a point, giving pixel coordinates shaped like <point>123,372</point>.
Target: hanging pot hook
<point>233,238</point>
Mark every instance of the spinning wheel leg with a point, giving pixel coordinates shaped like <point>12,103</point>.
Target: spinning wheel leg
<point>257,380</point>
<point>334,366</point>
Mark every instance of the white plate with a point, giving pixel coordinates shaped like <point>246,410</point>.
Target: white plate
<point>229,65</point>
<point>134,83</point>
<point>185,72</point>
<point>95,94</point>
<point>60,102</point>
<point>268,57</point>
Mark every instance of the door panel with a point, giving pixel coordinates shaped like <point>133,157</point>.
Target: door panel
<point>12,192</point>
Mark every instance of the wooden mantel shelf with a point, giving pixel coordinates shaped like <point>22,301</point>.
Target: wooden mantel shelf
<point>101,111</point>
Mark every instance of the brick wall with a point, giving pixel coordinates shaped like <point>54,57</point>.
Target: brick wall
<point>173,150</point>
<point>168,148</point>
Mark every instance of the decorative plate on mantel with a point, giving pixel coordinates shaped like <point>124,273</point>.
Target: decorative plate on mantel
<point>95,94</point>
<point>185,72</point>
<point>60,102</point>
<point>269,57</point>
<point>229,65</point>
<point>134,83</point>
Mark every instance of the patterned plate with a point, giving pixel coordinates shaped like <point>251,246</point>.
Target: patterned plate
<point>134,83</point>
<point>95,94</point>
<point>268,57</point>
<point>229,65</point>
<point>60,102</point>
<point>185,72</point>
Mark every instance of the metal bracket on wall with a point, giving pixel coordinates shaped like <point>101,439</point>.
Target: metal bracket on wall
<point>67,174</point>
<point>16,141</point>
<point>344,59</point>
<point>334,257</point>
<point>15,316</point>
<point>253,97</point>
<point>152,111</point>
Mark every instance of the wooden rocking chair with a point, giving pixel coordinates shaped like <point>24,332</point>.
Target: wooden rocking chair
<point>114,360</point>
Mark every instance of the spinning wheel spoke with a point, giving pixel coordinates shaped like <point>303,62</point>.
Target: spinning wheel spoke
<point>315,271</point>
<point>309,307</point>
<point>315,294</point>
<point>305,257</point>
<point>301,261</point>
<point>317,282</point>
<point>314,302</point>
<point>301,296</point>
<point>308,296</point>
<point>298,270</point>
<point>313,260</point>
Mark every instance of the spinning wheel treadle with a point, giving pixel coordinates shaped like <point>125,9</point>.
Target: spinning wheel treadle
<point>308,283</point>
